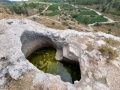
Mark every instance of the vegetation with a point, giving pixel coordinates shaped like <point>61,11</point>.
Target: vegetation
<point>88,19</point>
<point>53,7</point>
<point>90,2</point>
<point>19,9</point>
<point>50,24</point>
<point>27,8</point>
<point>67,7</point>
<point>86,12</point>
<point>111,6</point>
<point>112,42</point>
<point>113,29</point>
<point>53,13</point>
<point>108,52</point>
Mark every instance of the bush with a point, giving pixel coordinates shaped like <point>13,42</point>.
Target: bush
<point>97,24</point>
<point>41,13</point>
<point>108,52</point>
<point>34,18</point>
<point>53,23</point>
<point>65,23</point>
<point>75,16</point>
<point>70,27</point>
<point>19,9</point>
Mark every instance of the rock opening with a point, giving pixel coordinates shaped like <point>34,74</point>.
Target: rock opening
<point>40,51</point>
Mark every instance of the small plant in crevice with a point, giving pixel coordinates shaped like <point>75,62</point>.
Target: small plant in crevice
<point>53,23</point>
<point>65,23</point>
<point>70,27</point>
<point>108,52</point>
<point>34,19</point>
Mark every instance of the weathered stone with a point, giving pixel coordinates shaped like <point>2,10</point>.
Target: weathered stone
<point>22,37</point>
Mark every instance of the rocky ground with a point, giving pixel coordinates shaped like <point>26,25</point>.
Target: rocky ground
<point>98,59</point>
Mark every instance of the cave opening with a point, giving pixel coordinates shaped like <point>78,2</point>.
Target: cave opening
<point>44,59</point>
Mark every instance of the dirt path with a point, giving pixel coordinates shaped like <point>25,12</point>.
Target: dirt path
<point>46,8</point>
<point>59,8</point>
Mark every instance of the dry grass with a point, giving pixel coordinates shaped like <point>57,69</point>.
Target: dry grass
<point>90,47</point>
<point>109,29</point>
<point>112,42</point>
<point>23,83</point>
<point>74,23</point>
<point>108,52</point>
<point>11,16</point>
<point>5,13</point>
<point>50,24</point>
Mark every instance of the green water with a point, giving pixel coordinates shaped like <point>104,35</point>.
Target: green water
<point>44,59</point>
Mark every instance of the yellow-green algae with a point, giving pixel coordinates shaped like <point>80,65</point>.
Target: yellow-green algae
<point>44,59</point>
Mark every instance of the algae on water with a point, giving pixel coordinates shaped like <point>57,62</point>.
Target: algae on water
<point>44,59</point>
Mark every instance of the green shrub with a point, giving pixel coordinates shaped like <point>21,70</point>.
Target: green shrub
<point>41,13</point>
<point>75,16</point>
<point>53,23</point>
<point>70,27</point>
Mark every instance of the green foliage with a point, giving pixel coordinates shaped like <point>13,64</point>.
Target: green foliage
<point>67,6</point>
<point>86,19</point>
<point>33,4</point>
<point>75,16</point>
<point>18,8</point>
<point>108,52</point>
<point>86,12</point>
<point>53,13</point>
<point>90,2</point>
<point>53,7</point>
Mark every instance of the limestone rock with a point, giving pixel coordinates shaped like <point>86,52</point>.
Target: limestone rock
<point>22,37</point>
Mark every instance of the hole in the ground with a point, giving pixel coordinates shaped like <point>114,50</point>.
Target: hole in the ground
<point>37,48</point>
<point>44,59</point>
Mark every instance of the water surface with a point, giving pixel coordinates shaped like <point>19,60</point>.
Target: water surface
<point>44,59</point>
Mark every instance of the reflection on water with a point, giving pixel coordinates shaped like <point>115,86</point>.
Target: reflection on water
<point>44,59</point>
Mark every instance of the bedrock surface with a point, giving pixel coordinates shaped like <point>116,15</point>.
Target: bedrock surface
<point>20,38</point>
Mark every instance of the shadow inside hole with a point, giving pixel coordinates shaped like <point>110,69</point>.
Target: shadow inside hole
<point>44,59</point>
